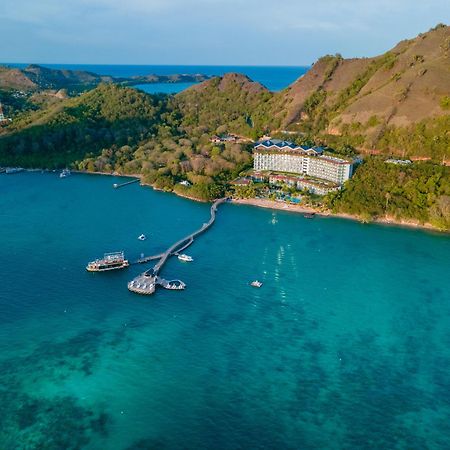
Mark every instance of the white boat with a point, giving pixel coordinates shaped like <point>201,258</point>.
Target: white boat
<point>256,283</point>
<point>110,261</point>
<point>11,170</point>
<point>185,258</point>
<point>65,173</point>
<point>142,237</point>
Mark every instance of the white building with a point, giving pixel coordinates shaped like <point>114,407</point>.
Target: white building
<point>2,117</point>
<point>283,156</point>
<point>318,187</point>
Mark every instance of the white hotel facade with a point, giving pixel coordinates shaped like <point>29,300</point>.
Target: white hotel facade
<point>282,156</point>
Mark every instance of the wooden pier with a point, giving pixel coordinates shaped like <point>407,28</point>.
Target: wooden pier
<point>117,186</point>
<point>146,282</point>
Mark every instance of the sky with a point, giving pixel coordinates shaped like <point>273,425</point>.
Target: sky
<point>209,32</point>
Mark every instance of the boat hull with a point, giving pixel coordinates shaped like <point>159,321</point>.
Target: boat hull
<point>106,269</point>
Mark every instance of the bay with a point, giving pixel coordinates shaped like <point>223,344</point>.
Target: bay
<point>274,78</point>
<point>346,345</point>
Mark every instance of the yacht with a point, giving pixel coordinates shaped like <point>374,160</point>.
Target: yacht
<point>65,173</point>
<point>256,283</point>
<point>110,261</point>
<point>185,258</point>
<point>142,237</point>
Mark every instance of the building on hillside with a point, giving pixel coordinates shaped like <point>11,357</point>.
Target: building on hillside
<point>215,139</point>
<point>399,162</point>
<point>283,156</point>
<point>231,138</point>
<point>241,181</point>
<point>259,177</point>
<point>318,187</point>
<point>278,179</point>
<point>3,119</point>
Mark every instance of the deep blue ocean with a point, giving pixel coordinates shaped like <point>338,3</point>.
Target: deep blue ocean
<point>346,345</point>
<point>274,78</point>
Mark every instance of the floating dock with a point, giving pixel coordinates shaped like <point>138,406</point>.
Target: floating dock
<point>146,282</point>
<point>119,185</point>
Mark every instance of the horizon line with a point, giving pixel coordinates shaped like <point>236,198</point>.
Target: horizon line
<point>154,65</point>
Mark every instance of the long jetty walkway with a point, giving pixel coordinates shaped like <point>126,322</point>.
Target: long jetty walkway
<point>117,186</point>
<point>146,282</point>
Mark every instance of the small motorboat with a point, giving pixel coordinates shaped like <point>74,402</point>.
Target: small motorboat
<point>256,283</point>
<point>309,215</point>
<point>142,237</point>
<point>65,173</point>
<point>185,258</point>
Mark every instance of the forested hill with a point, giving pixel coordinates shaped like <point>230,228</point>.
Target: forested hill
<point>229,103</point>
<point>70,129</point>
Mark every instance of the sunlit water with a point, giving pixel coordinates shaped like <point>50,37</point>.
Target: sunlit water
<point>346,345</point>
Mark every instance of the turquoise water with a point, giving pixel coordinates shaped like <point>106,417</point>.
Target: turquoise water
<point>346,345</point>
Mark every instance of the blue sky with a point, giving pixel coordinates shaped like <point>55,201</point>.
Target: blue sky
<point>241,32</point>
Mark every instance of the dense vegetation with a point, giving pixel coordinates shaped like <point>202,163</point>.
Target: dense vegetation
<point>378,189</point>
<point>230,104</point>
<point>68,130</point>
<point>166,139</point>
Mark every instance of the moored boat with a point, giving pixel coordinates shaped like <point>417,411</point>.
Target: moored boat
<point>256,283</point>
<point>65,173</point>
<point>110,261</point>
<point>185,258</point>
<point>11,170</point>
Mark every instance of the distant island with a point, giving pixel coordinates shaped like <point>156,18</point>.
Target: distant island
<point>388,116</point>
<point>35,77</point>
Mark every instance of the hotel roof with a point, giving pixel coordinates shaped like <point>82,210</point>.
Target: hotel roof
<point>334,160</point>
<point>278,144</point>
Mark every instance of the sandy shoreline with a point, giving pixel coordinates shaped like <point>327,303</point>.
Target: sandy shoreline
<point>281,206</point>
<point>299,209</point>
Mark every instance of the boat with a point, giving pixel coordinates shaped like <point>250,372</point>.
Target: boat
<point>11,170</point>
<point>110,261</point>
<point>256,283</point>
<point>185,258</point>
<point>309,215</point>
<point>142,237</point>
<point>65,173</point>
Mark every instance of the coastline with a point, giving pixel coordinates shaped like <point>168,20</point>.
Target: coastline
<point>272,204</point>
<point>279,206</point>
<point>142,183</point>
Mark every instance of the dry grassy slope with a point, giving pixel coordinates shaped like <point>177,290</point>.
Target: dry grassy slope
<point>289,102</point>
<point>15,79</point>
<point>411,90</point>
<point>405,93</point>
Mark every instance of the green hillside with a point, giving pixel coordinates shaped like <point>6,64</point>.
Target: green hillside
<point>68,130</point>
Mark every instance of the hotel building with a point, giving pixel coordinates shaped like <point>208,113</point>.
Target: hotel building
<point>283,156</point>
